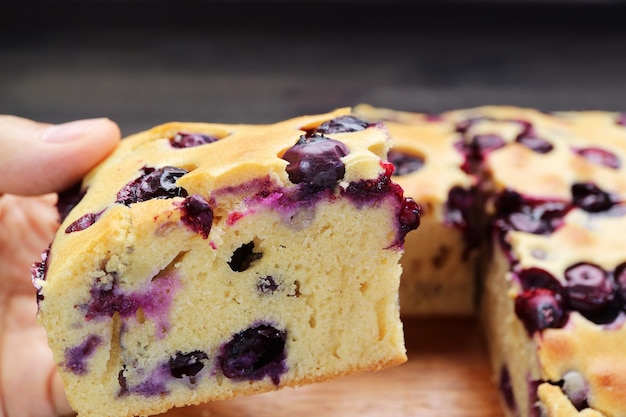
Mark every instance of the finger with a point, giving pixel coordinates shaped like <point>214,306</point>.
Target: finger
<point>38,158</point>
<point>30,383</point>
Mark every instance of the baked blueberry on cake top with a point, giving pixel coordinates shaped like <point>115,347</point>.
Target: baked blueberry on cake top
<point>548,191</point>
<point>204,261</point>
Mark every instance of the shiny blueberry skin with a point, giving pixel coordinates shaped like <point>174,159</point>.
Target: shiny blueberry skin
<point>197,214</point>
<point>316,161</point>
<point>535,143</point>
<point>599,156</point>
<point>83,222</point>
<point>255,353</point>
<point>539,309</point>
<point>152,183</point>
<point>404,163</point>
<point>541,217</point>
<point>591,198</point>
<point>538,278</point>
<point>588,287</point>
<point>187,364</point>
<point>189,140</point>
<point>342,124</point>
<point>620,279</point>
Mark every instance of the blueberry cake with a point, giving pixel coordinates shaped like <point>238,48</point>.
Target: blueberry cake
<point>430,170</point>
<point>550,191</point>
<point>205,261</point>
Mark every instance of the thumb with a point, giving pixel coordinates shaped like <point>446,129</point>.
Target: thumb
<point>38,158</point>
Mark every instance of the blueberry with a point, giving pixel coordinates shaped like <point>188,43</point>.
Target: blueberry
<point>539,278</point>
<point>342,124</point>
<point>38,272</point>
<point>620,279</point>
<point>187,364</point>
<point>409,215</point>
<point>465,125</point>
<point>486,143</point>
<point>459,205</point>
<point>188,140</point>
<point>152,183</point>
<point>316,161</point>
<point>535,143</point>
<point>267,285</point>
<point>68,199</point>
<point>539,309</point>
<point>599,156</point>
<point>404,163</point>
<point>591,198</point>
<point>620,119</point>
<point>506,388</point>
<point>255,353</point>
<point>83,222</point>
<point>197,214</point>
<point>589,288</point>
<point>243,257</point>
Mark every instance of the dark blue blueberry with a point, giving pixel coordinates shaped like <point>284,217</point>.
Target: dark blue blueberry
<point>197,215</point>
<point>599,156</point>
<point>539,278</point>
<point>506,388</point>
<point>535,143</point>
<point>591,198</point>
<point>316,161</point>
<point>255,353</point>
<point>188,140</point>
<point>152,183</point>
<point>539,309</point>
<point>404,163</point>
<point>68,199</point>
<point>342,124</point>
<point>243,257</point>
<point>187,364</point>
<point>83,222</point>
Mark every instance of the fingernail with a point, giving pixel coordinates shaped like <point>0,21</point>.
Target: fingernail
<point>70,131</point>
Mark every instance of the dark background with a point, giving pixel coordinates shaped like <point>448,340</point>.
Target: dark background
<point>146,62</point>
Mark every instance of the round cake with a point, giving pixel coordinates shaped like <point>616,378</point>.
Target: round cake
<point>204,261</point>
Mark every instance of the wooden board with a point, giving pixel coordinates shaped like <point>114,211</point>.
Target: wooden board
<point>447,375</point>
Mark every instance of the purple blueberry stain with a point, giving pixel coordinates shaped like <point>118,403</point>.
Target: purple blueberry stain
<point>342,124</point>
<point>599,156</point>
<point>83,222</point>
<point>404,163</point>
<point>154,300</point>
<point>152,183</point>
<point>591,198</point>
<point>316,161</point>
<point>188,140</point>
<point>153,385</point>
<point>76,357</point>
<point>197,214</point>
<point>540,309</point>
<point>255,353</point>
<point>267,285</point>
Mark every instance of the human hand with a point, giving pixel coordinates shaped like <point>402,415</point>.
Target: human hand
<point>36,161</point>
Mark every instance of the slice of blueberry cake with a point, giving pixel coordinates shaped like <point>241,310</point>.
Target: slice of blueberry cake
<point>551,191</point>
<point>436,278</point>
<point>205,261</point>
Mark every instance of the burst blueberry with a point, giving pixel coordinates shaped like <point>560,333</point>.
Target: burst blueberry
<point>591,198</point>
<point>187,364</point>
<point>599,156</point>
<point>342,124</point>
<point>197,214</point>
<point>589,288</point>
<point>316,161</point>
<point>255,353</point>
<point>153,183</point>
<point>540,309</point>
<point>188,140</point>
<point>404,163</point>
